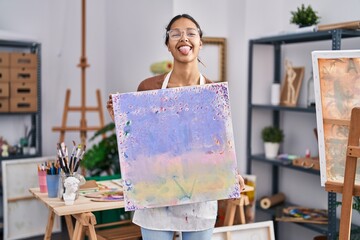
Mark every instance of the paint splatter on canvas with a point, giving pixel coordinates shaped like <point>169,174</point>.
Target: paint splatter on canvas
<point>176,146</point>
<point>337,89</point>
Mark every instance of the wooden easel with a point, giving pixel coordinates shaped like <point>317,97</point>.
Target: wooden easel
<point>236,205</point>
<point>233,206</point>
<point>83,128</point>
<point>348,188</point>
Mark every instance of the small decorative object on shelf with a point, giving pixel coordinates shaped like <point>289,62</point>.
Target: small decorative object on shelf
<point>272,137</point>
<point>271,201</point>
<point>4,150</point>
<point>310,98</point>
<point>304,16</point>
<point>275,94</point>
<point>292,84</point>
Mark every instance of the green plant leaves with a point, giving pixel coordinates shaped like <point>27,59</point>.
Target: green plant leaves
<point>304,16</point>
<point>103,156</point>
<point>272,134</point>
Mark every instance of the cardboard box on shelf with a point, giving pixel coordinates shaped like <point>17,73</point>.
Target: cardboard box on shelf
<point>23,104</point>
<point>4,90</point>
<point>4,105</point>
<point>4,74</point>
<point>23,89</point>
<point>21,60</point>
<point>4,59</point>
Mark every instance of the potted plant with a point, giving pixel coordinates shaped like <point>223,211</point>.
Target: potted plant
<point>304,16</point>
<point>272,137</point>
<point>103,156</point>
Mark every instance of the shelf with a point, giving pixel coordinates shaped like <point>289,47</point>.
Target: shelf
<point>304,37</point>
<point>18,113</point>
<point>275,211</point>
<point>333,36</point>
<point>284,108</point>
<point>320,228</point>
<point>20,44</point>
<point>282,163</point>
<point>19,157</point>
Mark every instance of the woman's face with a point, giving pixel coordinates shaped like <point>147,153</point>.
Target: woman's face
<point>186,48</point>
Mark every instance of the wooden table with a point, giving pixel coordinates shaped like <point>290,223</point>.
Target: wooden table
<point>81,211</point>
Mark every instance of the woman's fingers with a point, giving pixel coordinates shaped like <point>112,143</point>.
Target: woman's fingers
<point>241,181</point>
<point>109,106</point>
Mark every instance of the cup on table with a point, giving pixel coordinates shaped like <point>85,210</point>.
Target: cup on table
<point>52,182</point>
<point>42,181</point>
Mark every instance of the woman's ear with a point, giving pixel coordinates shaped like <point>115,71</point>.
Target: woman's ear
<point>201,44</point>
<point>168,46</point>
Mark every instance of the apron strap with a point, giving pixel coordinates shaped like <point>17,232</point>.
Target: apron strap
<point>167,79</point>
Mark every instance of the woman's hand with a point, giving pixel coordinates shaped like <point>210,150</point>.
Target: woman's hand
<point>109,106</point>
<point>241,182</point>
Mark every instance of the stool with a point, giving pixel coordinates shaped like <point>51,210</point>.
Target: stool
<point>125,230</point>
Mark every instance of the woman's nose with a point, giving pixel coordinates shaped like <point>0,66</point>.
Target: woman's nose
<point>184,37</point>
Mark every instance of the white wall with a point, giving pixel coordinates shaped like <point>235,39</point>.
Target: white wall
<point>126,36</point>
<point>56,25</point>
<point>134,40</point>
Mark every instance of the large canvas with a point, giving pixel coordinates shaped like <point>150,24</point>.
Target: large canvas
<point>24,215</point>
<point>176,146</point>
<point>337,92</point>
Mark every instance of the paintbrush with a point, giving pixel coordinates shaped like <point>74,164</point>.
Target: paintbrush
<point>80,158</point>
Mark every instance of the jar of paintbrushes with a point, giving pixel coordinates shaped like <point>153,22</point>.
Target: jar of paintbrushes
<point>70,179</point>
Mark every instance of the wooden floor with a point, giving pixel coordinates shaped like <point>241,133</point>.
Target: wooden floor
<point>55,236</point>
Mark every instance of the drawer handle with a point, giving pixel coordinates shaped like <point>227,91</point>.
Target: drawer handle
<point>24,60</point>
<point>23,90</point>
<point>23,105</point>
<point>24,75</point>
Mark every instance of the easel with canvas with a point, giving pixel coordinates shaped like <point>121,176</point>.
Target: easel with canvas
<point>336,73</point>
<point>83,128</point>
<point>348,188</point>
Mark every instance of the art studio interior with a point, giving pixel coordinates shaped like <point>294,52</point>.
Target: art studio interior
<point>276,103</point>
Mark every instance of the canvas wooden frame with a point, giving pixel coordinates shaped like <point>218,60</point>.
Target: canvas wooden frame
<point>297,85</point>
<point>213,56</point>
<point>337,86</point>
<point>259,230</point>
<point>176,146</point>
<point>24,215</point>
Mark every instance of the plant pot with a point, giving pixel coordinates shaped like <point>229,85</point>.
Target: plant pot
<point>271,149</point>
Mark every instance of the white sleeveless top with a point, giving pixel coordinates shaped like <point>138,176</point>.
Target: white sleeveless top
<point>188,217</point>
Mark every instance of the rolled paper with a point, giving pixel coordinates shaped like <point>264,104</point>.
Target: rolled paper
<point>161,67</point>
<point>268,202</point>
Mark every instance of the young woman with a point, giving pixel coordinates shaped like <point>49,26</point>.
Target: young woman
<point>195,221</point>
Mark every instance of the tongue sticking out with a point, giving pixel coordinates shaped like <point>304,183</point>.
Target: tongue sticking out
<point>184,49</point>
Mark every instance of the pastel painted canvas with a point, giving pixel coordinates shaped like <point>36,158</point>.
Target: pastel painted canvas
<point>176,146</point>
<point>337,92</point>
